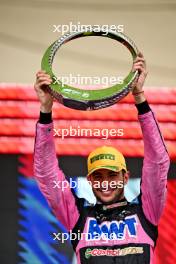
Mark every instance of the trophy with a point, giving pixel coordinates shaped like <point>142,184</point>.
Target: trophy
<point>89,99</point>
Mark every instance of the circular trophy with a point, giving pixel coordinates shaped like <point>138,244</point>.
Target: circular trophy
<point>88,99</point>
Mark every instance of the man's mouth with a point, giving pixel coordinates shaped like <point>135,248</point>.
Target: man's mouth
<point>106,191</point>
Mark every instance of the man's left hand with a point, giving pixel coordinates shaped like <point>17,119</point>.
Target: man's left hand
<point>140,65</point>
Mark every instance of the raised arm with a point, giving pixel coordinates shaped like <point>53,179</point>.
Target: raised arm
<point>155,167</point>
<point>156,159</point>
<point>46,170</point>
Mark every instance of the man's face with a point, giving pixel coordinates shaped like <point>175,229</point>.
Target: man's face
<point>107,185</point>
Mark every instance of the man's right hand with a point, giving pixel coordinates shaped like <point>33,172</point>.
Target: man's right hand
<point>45,98</point>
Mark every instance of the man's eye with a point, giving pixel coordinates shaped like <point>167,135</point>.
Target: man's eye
<point>97,176</point>
<point>113,175</point>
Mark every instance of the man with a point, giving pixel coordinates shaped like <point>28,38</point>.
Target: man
<point>116,231</point>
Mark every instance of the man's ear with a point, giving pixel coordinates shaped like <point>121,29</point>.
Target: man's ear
<point>126,177</point>
<point>89,178</point>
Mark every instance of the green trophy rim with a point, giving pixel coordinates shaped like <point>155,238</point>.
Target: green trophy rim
<point>89,95</point>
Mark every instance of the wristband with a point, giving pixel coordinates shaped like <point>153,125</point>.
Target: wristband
<point>143,108</point>
<point>45,118</point>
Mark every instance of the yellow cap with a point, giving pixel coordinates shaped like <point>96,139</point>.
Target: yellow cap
<point>106,158</point>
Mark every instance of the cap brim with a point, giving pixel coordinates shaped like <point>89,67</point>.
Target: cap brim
<point>111,168</point>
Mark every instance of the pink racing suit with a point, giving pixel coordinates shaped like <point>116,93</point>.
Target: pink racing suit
<point>134,225</point>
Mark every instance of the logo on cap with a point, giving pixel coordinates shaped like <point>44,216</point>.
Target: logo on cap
<point>102,156</point>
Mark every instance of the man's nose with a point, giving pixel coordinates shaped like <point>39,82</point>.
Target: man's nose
<point>106,178</point>
<point>106,181</point>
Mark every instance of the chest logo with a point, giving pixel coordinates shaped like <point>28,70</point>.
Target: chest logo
<point>115,230</point>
